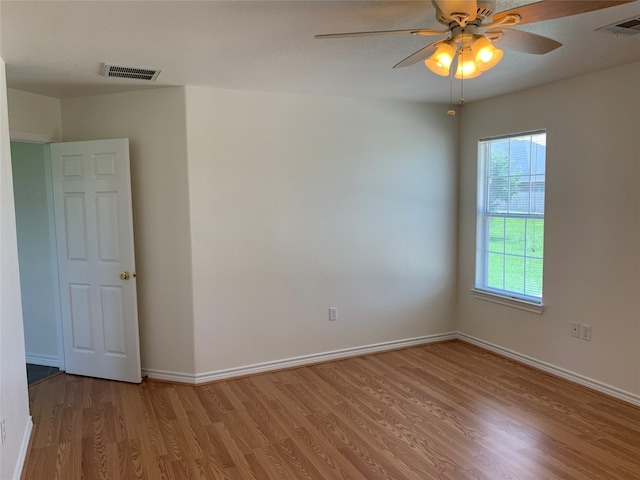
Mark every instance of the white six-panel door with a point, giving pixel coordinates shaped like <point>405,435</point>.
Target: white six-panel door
<point>94,230</point>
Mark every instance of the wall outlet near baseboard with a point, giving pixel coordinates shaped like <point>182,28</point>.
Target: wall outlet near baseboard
<point>333,313</point>
<point>585,332</point>
<point>3,430</point>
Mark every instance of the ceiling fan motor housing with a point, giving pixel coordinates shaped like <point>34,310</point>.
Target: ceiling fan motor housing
<point>485,10</point>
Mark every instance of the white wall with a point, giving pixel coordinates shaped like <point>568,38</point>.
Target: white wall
<point>38,272</point>
<point>14,401</point>
<point>34,114</point>
<point>154,122</point>
<point>303,203</point>
<point>592,225</point>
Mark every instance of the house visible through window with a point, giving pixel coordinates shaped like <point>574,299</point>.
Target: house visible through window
<point>510,225</point>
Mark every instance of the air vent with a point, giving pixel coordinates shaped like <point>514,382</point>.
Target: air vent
<point>131,72</point>
<point>630,26</point>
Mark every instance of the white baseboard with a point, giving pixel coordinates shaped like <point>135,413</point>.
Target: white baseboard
<point>45,360</point>
<point>236,372</point>
<point>226,374</point>
<point>554,370</point>
<point>24,448</point>
<point>169,376</point>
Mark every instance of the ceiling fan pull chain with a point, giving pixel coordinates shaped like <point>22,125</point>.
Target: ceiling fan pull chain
<point>451,112</point>
<point>461,102</point>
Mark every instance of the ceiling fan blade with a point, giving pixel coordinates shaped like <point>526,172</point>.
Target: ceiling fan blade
<point>415,31</point>
<point>451,7</point>
<point>550,9</point>
<point>419,56</point>
<point>521,41</point>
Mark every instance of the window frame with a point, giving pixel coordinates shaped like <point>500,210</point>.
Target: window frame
<point>481,288</point>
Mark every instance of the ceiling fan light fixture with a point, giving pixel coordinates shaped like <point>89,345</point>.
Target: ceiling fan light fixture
<point>440,61</point>
<point>467,67</point>
<point>464,20</point>
<point>486,56</point>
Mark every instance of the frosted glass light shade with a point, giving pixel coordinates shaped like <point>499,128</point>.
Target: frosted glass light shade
<point>467,67</point>
<point>485,54</point>
<point>440,61</point>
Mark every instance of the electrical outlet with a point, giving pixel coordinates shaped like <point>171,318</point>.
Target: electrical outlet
<point>333,313</point>
<point>575,330</point>
<point>3,430</point>
<point>585,332</point>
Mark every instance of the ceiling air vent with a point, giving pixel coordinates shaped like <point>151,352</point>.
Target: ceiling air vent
<point>131,72</point>
<point>630,26</point>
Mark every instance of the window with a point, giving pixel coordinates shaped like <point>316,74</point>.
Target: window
<point>510,225</point>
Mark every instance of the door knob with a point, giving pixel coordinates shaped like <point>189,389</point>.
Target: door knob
<point>125,276</point>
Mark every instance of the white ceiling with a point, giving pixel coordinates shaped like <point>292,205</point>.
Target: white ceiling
<point>57,48</point>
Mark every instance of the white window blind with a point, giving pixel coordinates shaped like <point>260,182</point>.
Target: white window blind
<point>510,220</point>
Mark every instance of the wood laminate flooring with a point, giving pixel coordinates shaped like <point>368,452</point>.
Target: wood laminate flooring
<point>441,411</point>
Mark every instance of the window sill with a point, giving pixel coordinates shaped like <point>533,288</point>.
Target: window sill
<point>508,301</point>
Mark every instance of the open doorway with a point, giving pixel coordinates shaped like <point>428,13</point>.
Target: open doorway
<point>84,249</point>
<point>35,227</point>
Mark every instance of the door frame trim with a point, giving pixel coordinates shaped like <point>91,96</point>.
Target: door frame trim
<point>28,137</point>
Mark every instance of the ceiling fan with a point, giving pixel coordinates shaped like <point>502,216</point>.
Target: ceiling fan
<point>472,27</point>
